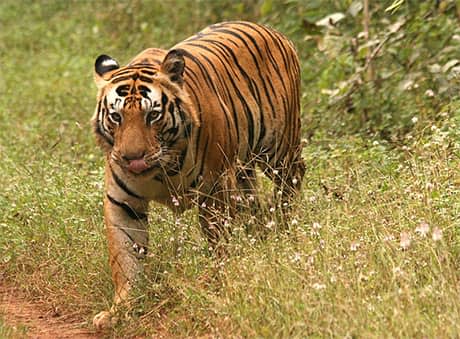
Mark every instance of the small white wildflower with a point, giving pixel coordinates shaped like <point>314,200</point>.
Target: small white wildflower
<point>375,143</point>
<point>316,226</point>
<point>203,204</point>
<point>422,229</point>
<point>270,224</point>
<point>295,181</point>
<point>429,93</point>
<point>294,222</point>
<point>276,172</point>
<point>174,201</point>
<point>318,286</point>
<point>322,243</point>
<point>405,240</point>
<point>272,209</point>
<point>437,234</point>
<point>389,237</point>
<point>251,198</point>
<point>285,204</point>
<point>414,120</point>
<point>397,271</point>
<point>296,257</point>
<point>354,246</point>
<point>279,193</point>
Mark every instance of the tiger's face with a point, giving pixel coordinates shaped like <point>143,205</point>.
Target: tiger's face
<point>143,116</point>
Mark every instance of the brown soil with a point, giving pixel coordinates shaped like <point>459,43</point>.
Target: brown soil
<point>39,322</point>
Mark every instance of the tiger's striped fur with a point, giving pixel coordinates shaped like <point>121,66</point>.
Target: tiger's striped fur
<point>188,126</point>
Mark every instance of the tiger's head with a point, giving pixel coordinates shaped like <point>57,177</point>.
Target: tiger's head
<point>143,116</point>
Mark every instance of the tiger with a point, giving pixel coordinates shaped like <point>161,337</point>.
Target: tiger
<point>188,127</point>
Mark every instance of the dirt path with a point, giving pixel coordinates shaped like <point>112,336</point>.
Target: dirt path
<point>17,311</point>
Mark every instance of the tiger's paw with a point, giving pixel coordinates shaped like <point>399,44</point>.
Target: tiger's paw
<point>104,320</point>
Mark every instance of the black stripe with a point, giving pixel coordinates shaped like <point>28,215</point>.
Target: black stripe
<point>147,72</point>
<point>146,79</point>
<point>102,134</point>
<point>129,211</point>
<point>268,53</point>
<point>122,90</point>
<point>164,100</point>
<point>253,88</point>
<point>123,186</point>
<point>263,82</point>
<point>119,79</point>
<point>204,73</point>
<point>234,111</point>
<point>134,68</point>
<point>246,109</point>
<point>99,128</point>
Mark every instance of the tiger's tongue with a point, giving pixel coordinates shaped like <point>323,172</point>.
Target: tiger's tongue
<point>137,166</point>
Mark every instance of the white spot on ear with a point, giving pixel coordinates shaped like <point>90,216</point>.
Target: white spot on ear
<point>109,62</point>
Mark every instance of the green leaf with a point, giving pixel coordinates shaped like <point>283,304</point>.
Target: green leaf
<point>266,7</point>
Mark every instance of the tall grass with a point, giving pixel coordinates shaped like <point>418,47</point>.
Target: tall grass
<point>373,247</point>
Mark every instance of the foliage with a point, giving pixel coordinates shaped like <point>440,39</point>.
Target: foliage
<point>374,243</point>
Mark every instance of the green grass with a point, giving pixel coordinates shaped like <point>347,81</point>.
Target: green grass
<point>7,332</point>
<point>339,270</point>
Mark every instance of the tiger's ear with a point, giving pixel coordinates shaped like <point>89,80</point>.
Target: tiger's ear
<point>173,65</point>
<point>103,65</point>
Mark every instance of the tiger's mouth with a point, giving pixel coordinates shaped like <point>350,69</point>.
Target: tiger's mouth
<point>137,166</point>
<point>140,166</point>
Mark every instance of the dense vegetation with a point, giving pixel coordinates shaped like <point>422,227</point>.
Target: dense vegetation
<point>374,243</point>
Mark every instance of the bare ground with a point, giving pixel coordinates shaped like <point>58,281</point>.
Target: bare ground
<point>40,322</point>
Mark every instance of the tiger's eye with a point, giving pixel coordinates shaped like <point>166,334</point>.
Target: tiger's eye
<point>152,116</point>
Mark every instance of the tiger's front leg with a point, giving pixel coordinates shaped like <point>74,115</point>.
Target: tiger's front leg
<point>125,217</point>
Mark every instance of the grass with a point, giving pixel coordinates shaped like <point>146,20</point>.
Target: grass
<point>8,332</point>
<point>341,270</point>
